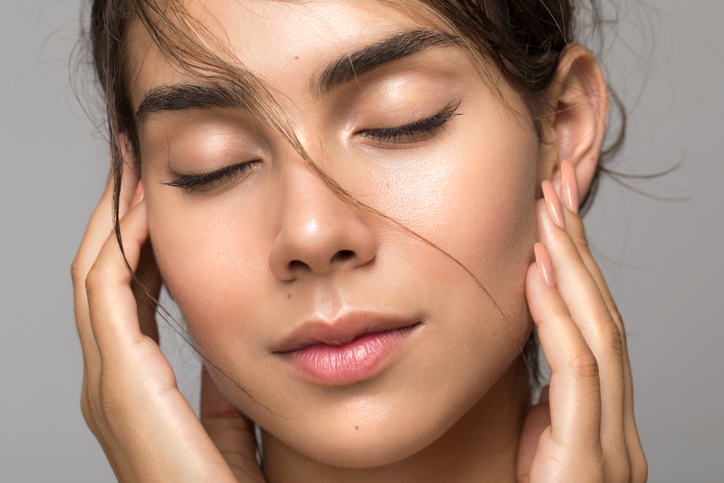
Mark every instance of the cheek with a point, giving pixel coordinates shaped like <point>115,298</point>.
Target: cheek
<point>210,267</point>
<point>488,225</point>
<point>477,205</point>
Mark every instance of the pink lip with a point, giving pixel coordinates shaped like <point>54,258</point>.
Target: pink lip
<point>350,349</point>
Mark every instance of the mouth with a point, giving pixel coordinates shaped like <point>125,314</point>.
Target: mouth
<point>350,349</point>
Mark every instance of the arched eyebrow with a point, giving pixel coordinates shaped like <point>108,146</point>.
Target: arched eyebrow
<point>186,96</point>
<point>346,68</point>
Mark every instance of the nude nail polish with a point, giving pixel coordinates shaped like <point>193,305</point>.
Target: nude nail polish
<point>544,264</point>
<point>554,205</point>
<point>569,185</point>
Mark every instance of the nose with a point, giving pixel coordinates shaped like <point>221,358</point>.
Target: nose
<point>320,233</point>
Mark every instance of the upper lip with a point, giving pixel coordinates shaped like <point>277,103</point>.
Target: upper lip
<point>341,330</point>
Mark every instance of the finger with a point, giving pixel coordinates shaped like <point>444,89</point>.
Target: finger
<point>568,187</point>
<point>574,388</point>
<point>576,230</point>
<point>112,305</point>
<point>231,431</point>
<point>99,228</point>
<point>590,313</point>
<point>97,231</point>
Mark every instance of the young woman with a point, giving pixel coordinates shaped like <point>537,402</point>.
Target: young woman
<point>362,210</point>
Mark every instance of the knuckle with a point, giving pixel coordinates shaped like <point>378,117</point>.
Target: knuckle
<point>584,365</point>
<point>613,308</point>
<point>97,279</point>
<point>77,271</point>
<point>85,408</point>
<point>620,472</point>
<point>554,315</point>
<point>110,401</point>
<point>90,410</point>
<point>611,335</point>
<point>639,468</point>
<point>578,235</point>
<point>582,242</point>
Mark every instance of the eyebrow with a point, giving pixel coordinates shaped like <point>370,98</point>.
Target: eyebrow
<point>186,96</point>
<point>340,71</point>
<point>351,66</point>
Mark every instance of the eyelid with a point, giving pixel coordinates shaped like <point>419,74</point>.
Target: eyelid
<point>423,127</point>
<point>205,181</point>
<point>413,132</point>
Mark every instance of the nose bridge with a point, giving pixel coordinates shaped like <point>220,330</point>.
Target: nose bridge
<point>319,232</point>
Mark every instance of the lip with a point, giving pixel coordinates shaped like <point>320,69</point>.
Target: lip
<point>352,348</point>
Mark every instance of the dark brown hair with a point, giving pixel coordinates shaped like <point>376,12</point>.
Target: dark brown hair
<point>523,39</point>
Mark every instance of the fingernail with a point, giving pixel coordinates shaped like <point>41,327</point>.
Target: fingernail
<point>570,185</point>
<point>138,195</point>
<point>543,262</point>
<point>557,187</point>
<point>544,394</point>
<point>554,205</point>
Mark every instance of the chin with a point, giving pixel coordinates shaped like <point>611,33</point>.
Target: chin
<point>364,448</point>
<point>368,432</point>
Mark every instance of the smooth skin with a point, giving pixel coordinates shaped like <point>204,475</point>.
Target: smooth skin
<point>584,432</point>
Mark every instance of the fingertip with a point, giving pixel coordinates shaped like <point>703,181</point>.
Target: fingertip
<point>557,187</point>
<point>535,293</point>
<point>532,277</point>
<point>553,204</point>
<point>569,185</point>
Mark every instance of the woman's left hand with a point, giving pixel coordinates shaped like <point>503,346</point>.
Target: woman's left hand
<point>583,428</point>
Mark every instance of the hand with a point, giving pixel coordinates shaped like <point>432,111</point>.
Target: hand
<point>129,398</point>
<point>583,429</point>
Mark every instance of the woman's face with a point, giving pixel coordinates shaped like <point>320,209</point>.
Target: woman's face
<point>356,343</point>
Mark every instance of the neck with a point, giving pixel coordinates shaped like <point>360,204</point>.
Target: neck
<point>481,446</point>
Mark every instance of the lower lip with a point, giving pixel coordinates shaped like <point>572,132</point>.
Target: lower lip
<point>361,359</point>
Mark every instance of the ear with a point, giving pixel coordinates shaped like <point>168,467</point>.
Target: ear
<point>127,152</point>
<point>132,182</point>
<point>577,124</point>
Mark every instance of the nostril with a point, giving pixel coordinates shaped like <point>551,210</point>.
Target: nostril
<point>296,265</point>
<point>342,256</point>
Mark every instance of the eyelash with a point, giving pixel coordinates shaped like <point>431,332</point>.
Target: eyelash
<point>194,182</point>
<point>415,131</point>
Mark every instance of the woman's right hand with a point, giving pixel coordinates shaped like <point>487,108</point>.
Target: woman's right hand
<point>130,399</point>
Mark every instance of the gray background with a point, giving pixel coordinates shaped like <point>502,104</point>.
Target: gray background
<point>663,259</point>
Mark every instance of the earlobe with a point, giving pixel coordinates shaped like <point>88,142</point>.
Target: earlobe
<point>579,98</point>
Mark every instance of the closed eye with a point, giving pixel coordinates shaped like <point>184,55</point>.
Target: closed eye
<point>413,132</point>
<point>207,181</point>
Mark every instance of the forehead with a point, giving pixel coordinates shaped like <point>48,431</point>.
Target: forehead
<point>284,42</point>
